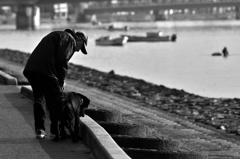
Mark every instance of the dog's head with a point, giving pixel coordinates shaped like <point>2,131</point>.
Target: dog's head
<point>84,102</point>
<point>74,104</point>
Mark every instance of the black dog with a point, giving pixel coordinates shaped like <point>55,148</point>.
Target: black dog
<point>68,108</point>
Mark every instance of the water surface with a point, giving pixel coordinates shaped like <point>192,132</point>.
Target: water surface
<point>185,64</point>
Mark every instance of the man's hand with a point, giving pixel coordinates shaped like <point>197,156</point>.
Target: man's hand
<point>64,84</point>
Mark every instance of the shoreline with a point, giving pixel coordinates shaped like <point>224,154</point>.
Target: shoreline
<point>220,113</point>
<point>134,25</point>
<point>145,25</point>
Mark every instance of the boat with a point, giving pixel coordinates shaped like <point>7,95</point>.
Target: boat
<point>111,41</point>
<point>117,28</point>
<point>224,53</point>
<point>151,37</point>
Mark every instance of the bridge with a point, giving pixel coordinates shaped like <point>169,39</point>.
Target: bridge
<point>28,13</point>
<point>157,6</point>
<point>128,6</point>
<point>38,2</point>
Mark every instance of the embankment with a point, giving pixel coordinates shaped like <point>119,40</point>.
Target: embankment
<point>221,113</point>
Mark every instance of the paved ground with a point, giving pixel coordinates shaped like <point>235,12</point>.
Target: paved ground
<point>17,137</point>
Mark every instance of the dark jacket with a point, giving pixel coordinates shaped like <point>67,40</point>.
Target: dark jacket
<point>51,56</point>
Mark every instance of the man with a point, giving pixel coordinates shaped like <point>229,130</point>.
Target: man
<point>46,70</point>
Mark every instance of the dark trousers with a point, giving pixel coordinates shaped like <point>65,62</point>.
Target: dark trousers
<point>45,90</point>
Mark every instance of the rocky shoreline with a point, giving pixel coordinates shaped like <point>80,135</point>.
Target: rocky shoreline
<point>220,113</point>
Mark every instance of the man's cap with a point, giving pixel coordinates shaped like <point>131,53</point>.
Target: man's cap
<point>71,31</point>
<point>84,38</point>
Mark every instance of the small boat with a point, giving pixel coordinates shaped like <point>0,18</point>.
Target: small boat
<point>152,37</point>
<point>115,28</point>
<point>111,41</point>
<point>224,53</point>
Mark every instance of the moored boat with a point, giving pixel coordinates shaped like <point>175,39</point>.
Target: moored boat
<point>111,41</point>
<point>151,37</point>
<point>117,28</point>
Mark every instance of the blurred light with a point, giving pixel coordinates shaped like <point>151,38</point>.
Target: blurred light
<point>114,1</point>
<point>5,8</point>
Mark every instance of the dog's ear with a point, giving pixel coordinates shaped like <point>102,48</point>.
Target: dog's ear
<point>84,104</point>
<point>85,100</point>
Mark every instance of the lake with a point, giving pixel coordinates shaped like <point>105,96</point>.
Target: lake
<point>185,64</point>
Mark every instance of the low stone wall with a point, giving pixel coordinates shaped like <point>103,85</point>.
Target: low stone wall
<point>7,79</point>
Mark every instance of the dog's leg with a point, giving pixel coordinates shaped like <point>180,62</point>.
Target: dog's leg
<point>73,136</point>
<point>71,129</point>
<point>77,127</point>
<point>57,134</point>
<point>63,134</point>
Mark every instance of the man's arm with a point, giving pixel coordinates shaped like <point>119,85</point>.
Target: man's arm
<point>64,53</point>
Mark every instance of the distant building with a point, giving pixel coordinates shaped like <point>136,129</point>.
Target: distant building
<point>60,10</point>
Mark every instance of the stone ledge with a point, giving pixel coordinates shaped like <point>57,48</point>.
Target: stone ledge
<point>7,79</point>
<point>99,141</point>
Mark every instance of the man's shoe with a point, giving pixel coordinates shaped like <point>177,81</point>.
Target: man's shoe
<point>40,134</point>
